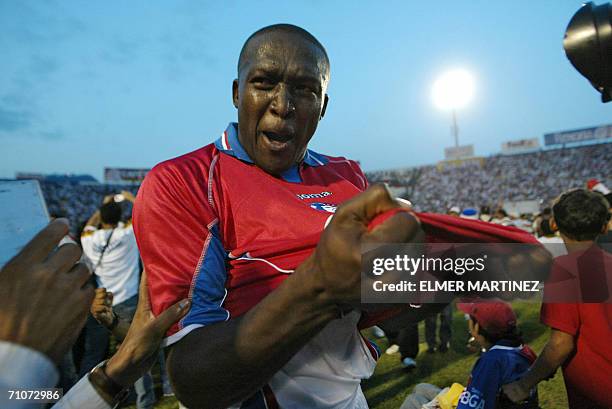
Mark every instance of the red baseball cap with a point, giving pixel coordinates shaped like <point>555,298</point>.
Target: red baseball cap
<point>496,318</point>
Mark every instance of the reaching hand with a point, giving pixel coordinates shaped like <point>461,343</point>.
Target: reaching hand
<point>139,349</point>
<point>102,307</point>
<point>45,294</point>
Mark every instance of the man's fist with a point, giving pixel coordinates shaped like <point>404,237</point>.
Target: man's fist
<point>102,307</point>
<point>337,258</point>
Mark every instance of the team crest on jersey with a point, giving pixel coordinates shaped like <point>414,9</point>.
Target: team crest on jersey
<point>324,207</point>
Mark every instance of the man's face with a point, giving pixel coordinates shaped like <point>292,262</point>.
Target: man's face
<point>280,96</point>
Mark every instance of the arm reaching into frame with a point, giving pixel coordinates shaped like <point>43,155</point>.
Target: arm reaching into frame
<point>44,294</point>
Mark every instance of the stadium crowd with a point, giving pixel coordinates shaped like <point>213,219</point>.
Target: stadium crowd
<point>78,201</point>
<point>496,179</point>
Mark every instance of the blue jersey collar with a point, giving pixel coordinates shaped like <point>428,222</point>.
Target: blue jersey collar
<point>229,144</point>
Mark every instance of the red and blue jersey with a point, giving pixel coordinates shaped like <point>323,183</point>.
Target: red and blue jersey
<point>215,228</point>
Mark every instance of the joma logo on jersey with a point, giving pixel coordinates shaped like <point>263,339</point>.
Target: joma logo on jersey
<point>324,207</point>
<point>314,195</point>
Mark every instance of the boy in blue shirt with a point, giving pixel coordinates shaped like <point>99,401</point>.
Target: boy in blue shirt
<point>493,325</point>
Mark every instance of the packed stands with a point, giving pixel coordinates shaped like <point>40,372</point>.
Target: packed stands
<point>538,175</point>
<point>78,201</point>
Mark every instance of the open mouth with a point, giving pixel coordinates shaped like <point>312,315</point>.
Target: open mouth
<point>276,137</point>
<point>277,141</point>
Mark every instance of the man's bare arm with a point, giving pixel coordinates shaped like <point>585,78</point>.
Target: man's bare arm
<point>94,220</point>
<point>558,348</point>
<point>224,363</point>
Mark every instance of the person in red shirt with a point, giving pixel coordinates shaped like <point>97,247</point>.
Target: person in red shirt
<point>581,326</point>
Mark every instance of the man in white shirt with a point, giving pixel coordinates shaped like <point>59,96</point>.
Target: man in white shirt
<point>110,247</point>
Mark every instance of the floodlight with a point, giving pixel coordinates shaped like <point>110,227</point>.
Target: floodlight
<point>453,90</point>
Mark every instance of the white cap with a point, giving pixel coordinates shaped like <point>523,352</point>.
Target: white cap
<point>454,209</point>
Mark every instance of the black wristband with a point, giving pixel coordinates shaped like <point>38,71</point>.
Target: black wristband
<point>108,389</point>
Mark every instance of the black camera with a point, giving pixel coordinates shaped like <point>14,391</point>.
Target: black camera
<point>588,46</point>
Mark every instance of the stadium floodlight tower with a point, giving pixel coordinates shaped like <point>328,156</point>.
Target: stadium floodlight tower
<point>452,91</point>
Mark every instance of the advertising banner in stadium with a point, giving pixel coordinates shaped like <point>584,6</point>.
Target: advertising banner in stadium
<point>521,145</point>
<point>458,152</point>
<point>124,175</point>
<point>457,163</point>
<point>579,135</point>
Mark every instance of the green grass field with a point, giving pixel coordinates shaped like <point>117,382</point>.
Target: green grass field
<point>390,384</point>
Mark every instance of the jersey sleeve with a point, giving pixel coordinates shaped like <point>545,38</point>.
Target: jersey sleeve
<point>563,317</point>
<point>177,233</point>
<point>484,384</point>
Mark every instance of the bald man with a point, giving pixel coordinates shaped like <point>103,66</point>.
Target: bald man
<point>238,227</point>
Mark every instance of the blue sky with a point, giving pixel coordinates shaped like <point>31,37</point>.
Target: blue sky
<point>84,85</point>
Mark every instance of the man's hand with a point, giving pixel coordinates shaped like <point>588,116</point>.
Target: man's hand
<point>139,349</point>
<point>102,311</point>
<point>337,258</point>
<point>45,294</point>
<point>516,391</point>
<point>102,307</point>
